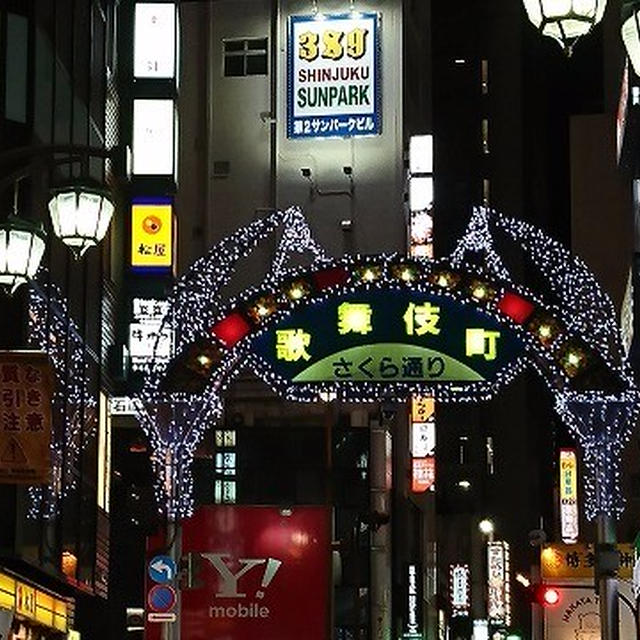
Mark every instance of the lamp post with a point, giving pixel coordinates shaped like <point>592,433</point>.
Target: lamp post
<point>80,210</point>
<point>565,20</point>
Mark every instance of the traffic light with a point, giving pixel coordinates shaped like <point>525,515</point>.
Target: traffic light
<point>545,595</point>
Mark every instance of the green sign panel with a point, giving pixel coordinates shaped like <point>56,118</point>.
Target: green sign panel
<point>388,336</point>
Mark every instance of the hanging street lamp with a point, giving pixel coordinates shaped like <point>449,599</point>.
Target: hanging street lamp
<point>21,250</point>
<point>80,215</point>
<point>630,32</point>
<point>565,20</point>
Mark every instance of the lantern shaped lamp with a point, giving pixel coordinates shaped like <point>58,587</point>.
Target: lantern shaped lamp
<point>565,20</point>
<point>22,246</point>
<point>80,215</point>
<point>630,32</point>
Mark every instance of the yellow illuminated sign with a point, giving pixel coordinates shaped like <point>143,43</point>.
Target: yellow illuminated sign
<point>354,317</point>
<point>420,319</point>
<point>151,235</point>
<point>480,342</point>
<point>291,345</point>
<point>578,561</point>
<point>33,603</point>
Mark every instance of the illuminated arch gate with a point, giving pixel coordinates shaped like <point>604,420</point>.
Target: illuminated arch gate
<point>370,328</point>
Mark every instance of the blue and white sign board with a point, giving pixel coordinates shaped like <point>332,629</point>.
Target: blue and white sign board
<point>162,569</point>
<point>333,64</point>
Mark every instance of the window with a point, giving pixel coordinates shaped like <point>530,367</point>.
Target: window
<point>245,57</point>
<point>224,489</point>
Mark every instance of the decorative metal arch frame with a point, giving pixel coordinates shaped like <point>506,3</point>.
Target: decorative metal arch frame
<point>570,337</point>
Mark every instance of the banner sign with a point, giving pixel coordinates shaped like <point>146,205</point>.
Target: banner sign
<point>569,519</point>
<point>333,76</point>
<point>26,392</point>
<point>572,561</point>
<point>390,337</point>
<point>152,236</point>
<point>498,593</point>
<point>413,613</point>
<point>254,573</point>
<point>460,589</point>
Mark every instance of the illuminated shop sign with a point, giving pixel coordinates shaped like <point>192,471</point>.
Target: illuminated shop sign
<point>154,122</point>
<point>334,77</point>
<point>155,40</point>
<point>569,496</point>
<point>413,615</point>
<point>498,585</point>
<point>152,235</point>
<point>387,336</point>
<point>460,589</point>
<point>423,474</point>
<point>150,338</point>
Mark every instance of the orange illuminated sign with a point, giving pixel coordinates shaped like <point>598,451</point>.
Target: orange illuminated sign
<point>423,474</point>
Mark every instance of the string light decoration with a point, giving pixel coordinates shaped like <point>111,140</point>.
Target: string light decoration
<point>174,421</point>
<point>52,330</point>
<point>568,334</point>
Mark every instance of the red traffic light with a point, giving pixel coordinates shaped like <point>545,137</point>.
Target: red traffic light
<point>546,595</point>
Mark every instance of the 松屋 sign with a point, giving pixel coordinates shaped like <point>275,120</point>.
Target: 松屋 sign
<point>334,79</point>
<point>152,236</point>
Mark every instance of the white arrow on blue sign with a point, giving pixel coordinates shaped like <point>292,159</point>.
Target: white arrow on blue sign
<point>162,569</point>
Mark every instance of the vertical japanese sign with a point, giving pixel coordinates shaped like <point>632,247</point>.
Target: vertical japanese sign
<point>254,570</point>
<point>150,337</point>
<point>568,496</point>
<point>460,589</point>
<point>26,390</point>
<point>413,615</point>
<point>152,235</point>
<point>334,76</point>
<point>423,443</point>
<point>498,583</point>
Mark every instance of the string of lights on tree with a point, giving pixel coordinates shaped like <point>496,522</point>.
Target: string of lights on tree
<point>569,335</point>
<point>52,330</point>
<point>175,421</point>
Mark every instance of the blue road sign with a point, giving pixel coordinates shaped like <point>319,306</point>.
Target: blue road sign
<point>162,569</point>
<point>161,598</point>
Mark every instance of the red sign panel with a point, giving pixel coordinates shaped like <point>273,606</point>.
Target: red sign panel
<point>263,573</point>
<point>423,474</point>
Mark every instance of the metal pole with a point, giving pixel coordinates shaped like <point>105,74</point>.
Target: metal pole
<point>607,583</point>
<point>380,487</point>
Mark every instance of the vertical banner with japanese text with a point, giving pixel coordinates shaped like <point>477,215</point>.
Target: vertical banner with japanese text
<point>498,583</point>
<point>333,76</point>
<point>569,519</point>
<point>26,391</point>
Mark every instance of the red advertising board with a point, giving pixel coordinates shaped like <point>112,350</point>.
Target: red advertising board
<point>263,573</point>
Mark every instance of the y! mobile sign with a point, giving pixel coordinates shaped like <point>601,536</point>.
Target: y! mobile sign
<point>262,574</point>
<point>334,76</point>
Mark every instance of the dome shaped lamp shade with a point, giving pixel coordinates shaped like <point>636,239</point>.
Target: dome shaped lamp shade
<point>631,33</point>
<point>80,215</point>
<point>565,20</point>
<point>22,245</point>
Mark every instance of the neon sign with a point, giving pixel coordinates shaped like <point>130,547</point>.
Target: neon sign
<point>387,336</point>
